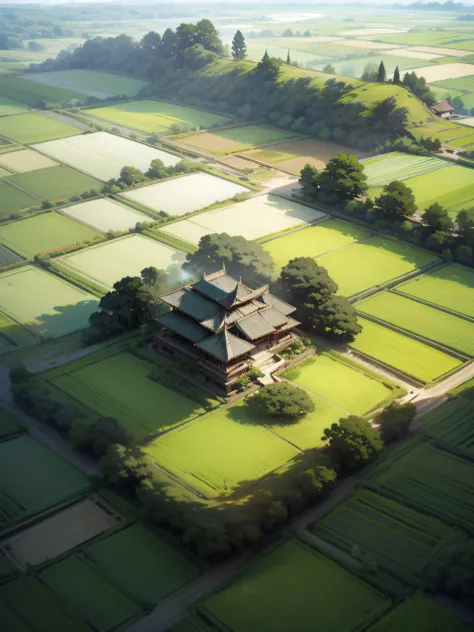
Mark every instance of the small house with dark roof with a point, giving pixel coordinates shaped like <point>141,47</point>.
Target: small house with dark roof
<point>443,109</point>
<point>223,325</point>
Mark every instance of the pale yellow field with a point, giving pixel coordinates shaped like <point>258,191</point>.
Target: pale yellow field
<point>413,54</point>
<point>364,44</point>
<point>444,71</point>
<point>452,52</point>
<point>26,160</point>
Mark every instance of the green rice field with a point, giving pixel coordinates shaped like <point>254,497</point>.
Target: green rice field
<point>372,263</point>
<point>43,233</point>
<point>83,589</point>
<point>291,588</point>
<point>9,425</point>
<point>234,450</point>
<point>405,354</point>
<point>33,479</point>
<point>140,563</point>
<point>465,84</point>
<point>8,107</point>
<point>12,335</point>
<point>158,116</point>
<point>34,128</point>
<point>14,200</point>
<point>395,165</point>
<point>323,377</point>
<point>31,93</point>
<point>54,183</point>
<point>451,287</point>
<point>119,387</point>
<point>419,614</point>
<point>27,605</point>
<point>452,424</point>
<point>452,187</point>
<point>464,390</point>
<point>89,82</point>
<point>422,320</point>
<point>313,241</point>
<point>429,480</point>
<point>7,256</point>
<point>402,540</point>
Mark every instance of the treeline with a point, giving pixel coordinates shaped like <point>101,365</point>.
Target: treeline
<point>343,183</point>
<point>189,46</point>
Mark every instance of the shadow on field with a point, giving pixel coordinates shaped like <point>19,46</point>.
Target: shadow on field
<point>64,320</point>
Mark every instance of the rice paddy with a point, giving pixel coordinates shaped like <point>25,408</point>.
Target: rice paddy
<point>43,233</point>
<point>107,263</point>
<point>33,94</point>
<point>15,200</point>
<point>9,107</point>
<point>372,263</point>
<point>103,155</point>
<point>452,187</point>
<point>403,353</point>
<point>158,116</point>
<point>422,320</point>
<point>179,196</point>
<point>451,424</point>
<point>104,215</point>
<point>7,256</point>
<point>395,165</point>
<point>34,128</point>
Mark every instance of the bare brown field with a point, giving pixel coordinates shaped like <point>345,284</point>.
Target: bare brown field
<point>238,163</point>
<point>208,141</point>
<point>61,532</point>
<point>292,156</point>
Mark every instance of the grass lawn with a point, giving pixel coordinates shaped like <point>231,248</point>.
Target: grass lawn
<point>14,200</point>
<point>419,614</point>
<point>79,585</point>
<point>33,479</point>
<point>402,540</point>
<point>371,263</point>
<point>90,82</point>
<point>324,375</point>
<point>43,303</point>
<point>451,287</point>
<point>313,241</point>
<point>119,387</point>
<point>140,563</point>
<point>395,165</point>
<point>157,116</point>
<point>403,353</point>
<point>43,233</point>
<point>54,183</point>
<point>291,588</point>
<point>452,187</point>
<point>220,452</point>
<point>8,107</point>
<point>423,320</point>
<point>34,128</point>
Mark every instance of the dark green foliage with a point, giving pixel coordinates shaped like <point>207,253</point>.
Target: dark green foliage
<point>124,466</point>
<point>435,217</point>
<point>242,258</point>
<point>455,575</point>
<point>396,202</point>
<point>381,73</point>
<point>370,72</point>
<point>343,177</point>
<point>352,443</point>
<point>239,47</point>
<point>97,436</point>
<point>418,86</point>
<point>131,176</point>
<point>268,68</point>
<point>396,76</point>
<point>388,116</point>
<point>329,69</point>
<point>465,226</point>
<point>283,402</point>
<point>429,143</point>
<point>395,421</point>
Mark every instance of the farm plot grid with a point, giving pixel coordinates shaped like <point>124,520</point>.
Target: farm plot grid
<point>104,215</point>
<point>402,540</point>
<point>91,83</point>
<point>46,480</point>
<point>430,480</point>
<point>103,155</point>
<point>53,183</point>
<point>140,563</point>
<point>43,304</point>
<point>452,424</point>
<point>107,263</point>
<point>422,320</point>
<point>78,584</point>
<point>323,376</point>
<point>292,587</point>
<point>372,263</point>
<point>313,241</point>
<point>179,196</point>
<point>25,160</point>
<point>233,140</point>
<point>60,533</point>
<point>403,353</point>
<point>14,200</point>
<point>120,387</point>
<point>451,287</point>
<point>158,116</point>
<point>234,449</point>
<point>34,128</point>
<point>43,233</point>
<point>395,165</point>
<point>452,187</point>
<point>254,218</point>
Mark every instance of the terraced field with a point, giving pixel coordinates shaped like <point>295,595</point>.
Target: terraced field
<point>395,165</point>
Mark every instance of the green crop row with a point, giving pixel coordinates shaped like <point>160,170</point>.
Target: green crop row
<point>452,424</point>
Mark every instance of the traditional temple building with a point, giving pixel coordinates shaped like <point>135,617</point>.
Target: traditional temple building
<point>224,326</point>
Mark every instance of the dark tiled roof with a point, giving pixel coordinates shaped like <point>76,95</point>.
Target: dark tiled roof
<point>224,346</point>
<point>199,308</point>
<point>183,326</point>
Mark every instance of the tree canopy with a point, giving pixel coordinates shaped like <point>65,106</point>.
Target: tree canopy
<point>282,401</point>
<point>435,217</point>
<point>395,420</point>
<point>396,202</point>
<point>343,178</point>
<point>352,442</point>
<point>239,47</point>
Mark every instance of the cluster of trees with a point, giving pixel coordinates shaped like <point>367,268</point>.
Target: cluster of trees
<point>190,46</point>
<point>130,176</point>
<point>411,81</point>
<point>283,402</point>
<point>458,105</point>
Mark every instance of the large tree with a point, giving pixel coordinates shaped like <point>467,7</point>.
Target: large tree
<point>268,68</point>
<point>352,442</point>
<point>465,225</point>
<point>435,218</point>
<point>381,73</point>
<point>242,258</point>
<point>395,421</point>
<point>396,76</point>
<point>282,401</point>
<point>396,202</point>
<point>343,177</point>
<point>239,47</point>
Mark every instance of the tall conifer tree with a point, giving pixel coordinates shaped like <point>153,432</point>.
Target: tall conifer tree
<point>239,47</point>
